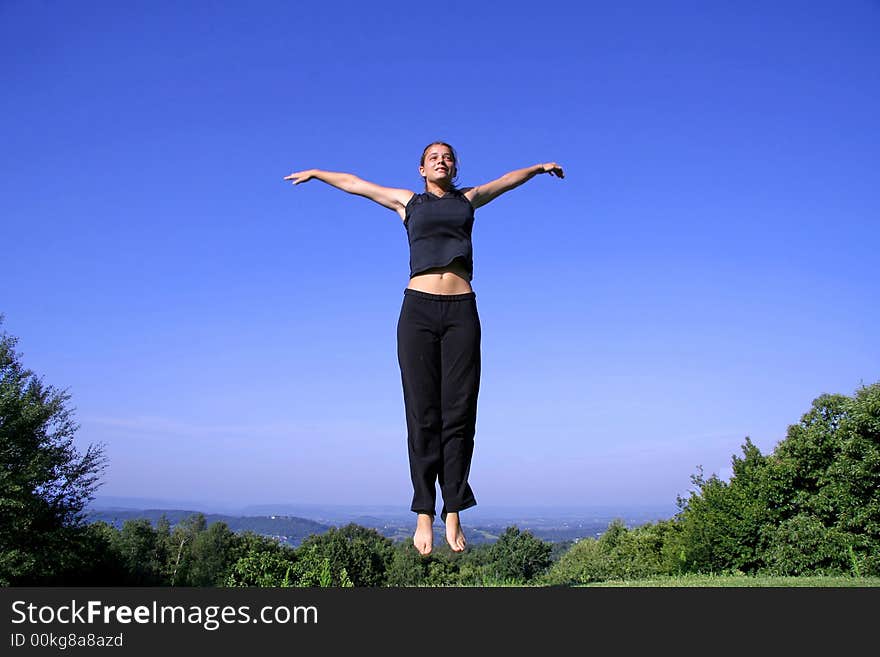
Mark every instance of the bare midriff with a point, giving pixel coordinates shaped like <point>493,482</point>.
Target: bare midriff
<point>449,279</point>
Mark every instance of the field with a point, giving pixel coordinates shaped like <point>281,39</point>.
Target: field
<point>745,580</point>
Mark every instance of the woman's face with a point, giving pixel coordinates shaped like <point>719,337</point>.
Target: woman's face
<point>439,165</point>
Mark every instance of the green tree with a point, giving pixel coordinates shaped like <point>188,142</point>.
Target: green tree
<point>261,561</point>
<point>45,481</point>
<point>811,506</point>
<point>519,555</point>
<point>442,567</point>
<point>475,566</point>
<point>312,568</point>
<point>138,551</point>
<point>848,499</point>
<point>582,563</point>
<point>619,553</point>
<point>179,549</point>
<point>723,524</point>
<point>163,549</point>
<point>634,553</point>
<point>364,554</point>
<point>212,556</point>
<point>407,566</point>
<point>101,563</point>
<point>805,545</point>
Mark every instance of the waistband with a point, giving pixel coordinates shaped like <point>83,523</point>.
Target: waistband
<point>408,291</point>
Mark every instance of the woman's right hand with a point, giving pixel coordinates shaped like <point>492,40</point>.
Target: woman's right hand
<point>300,176</point>
<point>553,169</point>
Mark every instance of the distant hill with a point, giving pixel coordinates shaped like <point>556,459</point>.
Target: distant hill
<point>288,529</point>
<point>554,527</point>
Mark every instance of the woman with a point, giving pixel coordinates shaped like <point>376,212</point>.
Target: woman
<point>438,332</point>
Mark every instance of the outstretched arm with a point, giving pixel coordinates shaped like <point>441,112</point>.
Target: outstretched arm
<point>482,194</point>
<point>390,197</point>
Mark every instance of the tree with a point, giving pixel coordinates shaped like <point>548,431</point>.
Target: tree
<point>163,549</point>
<point>519,555</point>
<point>102,563</point>
<point>812,506</point>
<point>854,480</point>
<point>179,548</point>
<point>136,546</point>
<point>362,553</point>
<point>619,553</point>
<point>261,561</point>
<point>312,568</point>
<point>213,555</point>
<point>45,482</point>
<point>582,563</point>
<point>724,524</point>
<point>833,458</point>
<point>407,567</point>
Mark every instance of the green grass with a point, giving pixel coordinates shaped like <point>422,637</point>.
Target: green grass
<point>744,580</point>
<point>710,581</point>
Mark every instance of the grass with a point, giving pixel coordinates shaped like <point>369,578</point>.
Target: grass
<point>744,580</point>
<point>706,581</point>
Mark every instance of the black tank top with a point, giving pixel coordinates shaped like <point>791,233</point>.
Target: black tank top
<point>439,230</point>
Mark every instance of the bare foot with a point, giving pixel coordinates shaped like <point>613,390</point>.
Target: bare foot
<point>454,534</point>
<point>423,539</point>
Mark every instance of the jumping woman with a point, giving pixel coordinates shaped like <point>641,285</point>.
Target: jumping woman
<point>438,332</point>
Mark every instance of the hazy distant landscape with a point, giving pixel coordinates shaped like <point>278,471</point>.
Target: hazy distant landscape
<point>292,523</point>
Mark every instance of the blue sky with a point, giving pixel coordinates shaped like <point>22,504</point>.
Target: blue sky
<point>705,270</point>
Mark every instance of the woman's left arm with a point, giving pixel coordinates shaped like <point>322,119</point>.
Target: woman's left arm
<point>482,194</point>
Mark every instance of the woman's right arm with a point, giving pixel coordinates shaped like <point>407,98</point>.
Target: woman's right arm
<point>389,197</point>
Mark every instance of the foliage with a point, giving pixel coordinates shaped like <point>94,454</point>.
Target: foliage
<point>476,566</point>
<point>102,564</point>
<point>139,553</point>
<point>260,568</point>
<point>812,506</point>
<point>804,545</point>
<point>45,481</point>
<point>313,568</point>
<point>619,553</point>
<point>212,552</point>
<point>261,561</point>
<point>407,566</point>
<point>519,556</point>
<point>581,564</point>
<point>362,554</point>
<point>721,524</point>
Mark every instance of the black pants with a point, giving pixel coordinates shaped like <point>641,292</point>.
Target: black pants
<point>438,349</point>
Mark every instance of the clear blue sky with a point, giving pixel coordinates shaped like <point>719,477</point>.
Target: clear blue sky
<point>707,267</point>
